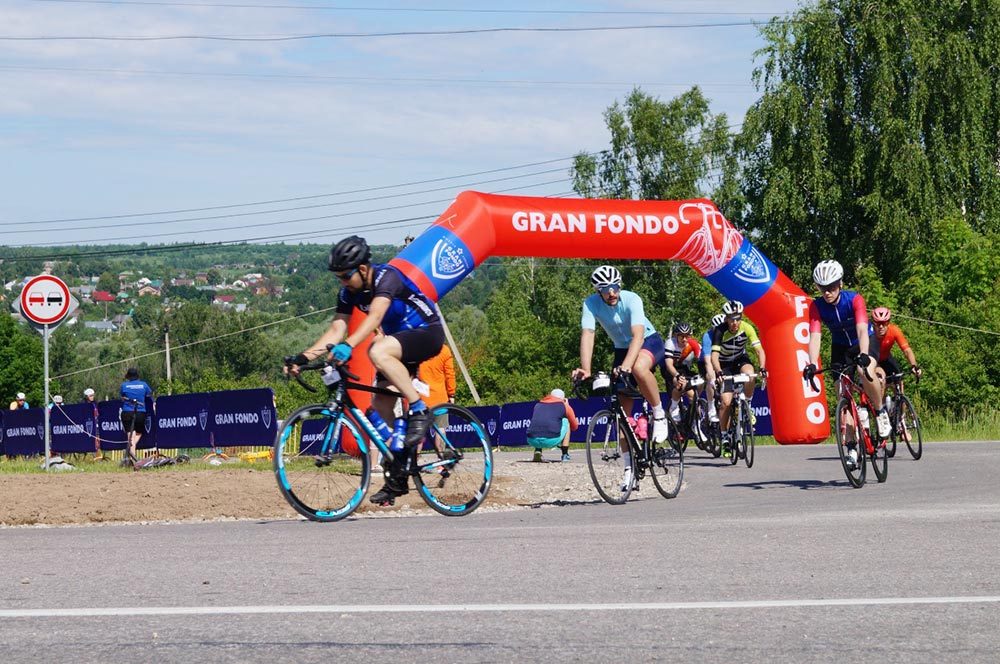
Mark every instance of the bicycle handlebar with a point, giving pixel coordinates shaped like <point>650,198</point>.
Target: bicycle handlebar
<point>315,365</point>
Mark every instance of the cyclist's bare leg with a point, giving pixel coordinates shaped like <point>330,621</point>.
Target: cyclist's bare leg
<point>710,386</point>
<point>646,380</point>
<point>627,407</point>
<point>873,388</point>
<point>748,387</point>
<point>385,353</point>
<point>727,403</point>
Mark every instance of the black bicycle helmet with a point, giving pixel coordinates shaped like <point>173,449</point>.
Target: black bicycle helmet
<point>348,254</point>
<point>682,328</point>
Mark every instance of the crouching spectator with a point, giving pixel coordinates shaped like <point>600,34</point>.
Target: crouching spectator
<point>551,423</point>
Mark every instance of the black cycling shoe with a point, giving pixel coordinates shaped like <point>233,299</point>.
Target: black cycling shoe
<point>388,493</point>
<point>417,426</point>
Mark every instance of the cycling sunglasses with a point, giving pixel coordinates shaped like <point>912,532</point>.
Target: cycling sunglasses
<point>604,289</point>
<point>346,276</point>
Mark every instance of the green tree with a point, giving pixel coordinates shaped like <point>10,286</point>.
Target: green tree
<point>875,120</point>
<point>21,362</point>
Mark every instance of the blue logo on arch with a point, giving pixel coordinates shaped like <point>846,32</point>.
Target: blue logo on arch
<point>441,256</point>
<point>747,276</point>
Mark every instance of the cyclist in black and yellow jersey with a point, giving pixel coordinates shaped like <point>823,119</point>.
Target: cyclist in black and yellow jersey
<point>729,356</point>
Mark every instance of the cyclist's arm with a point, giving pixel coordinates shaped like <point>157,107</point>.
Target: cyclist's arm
<point>586,350</point>
<point>376,312</point>
<point>671,369</point>
<point>638,335</point>
<point>861,322</point>
<point>815,333</point>
<point>333,335</point>
<point>716,366</point>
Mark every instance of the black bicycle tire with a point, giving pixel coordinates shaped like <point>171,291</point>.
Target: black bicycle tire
<point>734,446</point>
<point>658,467</point>
<point>285,486</point>
<point>623,495</point>
<point>890,444</point>
<point>906,403</point>
<point>861,467</point>
<point>880,457</point>
<point>748,438</point>
<point>479,494</point>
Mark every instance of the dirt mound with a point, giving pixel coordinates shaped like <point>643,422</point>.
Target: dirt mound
<point>188,494</point>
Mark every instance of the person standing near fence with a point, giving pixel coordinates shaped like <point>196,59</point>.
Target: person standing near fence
<point>439,374</point>
<point>90,401</point>
<point>133,414</point>
<point>18,402</point>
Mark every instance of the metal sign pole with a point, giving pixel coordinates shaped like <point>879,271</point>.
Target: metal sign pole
<point>45,336</point>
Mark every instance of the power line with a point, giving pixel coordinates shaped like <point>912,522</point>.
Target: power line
<point>287,209</point>
<point>285,222</point>
<point>368,35</point>
<point>934,322</point>
<point>299,198</point>
<point>423,10</point>
<point>479,82</point>
<point>194,343</point>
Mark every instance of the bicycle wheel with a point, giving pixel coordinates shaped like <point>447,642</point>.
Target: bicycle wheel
<point>704,426</point>
<point>855,474</point>
<point>910,428</point>
<point>315,474</point>
<point>890,444</point>
<point>454,469</point>
<point>666,467</point>
<point>880,457</point>
<point>747,438</point>
<point>605,460</point>
<point>734,439</point>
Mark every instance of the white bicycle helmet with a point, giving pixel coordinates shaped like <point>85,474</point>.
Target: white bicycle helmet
<point>732,308</point>
<point>606,275</point>
<point>827,272</point>
<point>717,319</point>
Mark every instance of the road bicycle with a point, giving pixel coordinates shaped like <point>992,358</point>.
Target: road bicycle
<point>853,406</point>
<point>694,424</point>
<point>607,429</point>
<point>323,461</point>
<point>903,416</point>
<point>741,433</point>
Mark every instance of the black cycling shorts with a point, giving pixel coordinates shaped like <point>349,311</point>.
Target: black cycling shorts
<point>418,345</point>
<point>735,366</point>
<point>890,366</point>
<point>132,418</point>
<point>841,355</point>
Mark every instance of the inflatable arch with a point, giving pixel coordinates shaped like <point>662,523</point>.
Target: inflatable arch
<point>477,226</point>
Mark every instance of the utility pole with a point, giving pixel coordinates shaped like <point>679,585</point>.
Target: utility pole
<point>166,337</point>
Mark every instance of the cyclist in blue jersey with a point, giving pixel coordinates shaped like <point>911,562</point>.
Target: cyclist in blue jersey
<point>407,331</point>
<point>638,346</point>
<point>844,313</point>
<point>705,367</point>
<point>133,413</point>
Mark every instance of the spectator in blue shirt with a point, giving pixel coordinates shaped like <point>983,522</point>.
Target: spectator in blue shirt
<point>133,413</point>
<point>18,402</point>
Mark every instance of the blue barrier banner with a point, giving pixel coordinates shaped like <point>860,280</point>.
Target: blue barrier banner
<point>466,437</point>
<point>24,431</point>
<point>243,417</point>
<point>514,421</point>
<point>111,432</point>
<point>762,409</point>
<point>73,427</point>
<point>314,432</point>
<point>183,420</point>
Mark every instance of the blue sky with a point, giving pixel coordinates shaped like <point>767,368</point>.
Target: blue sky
<point>97,128</point>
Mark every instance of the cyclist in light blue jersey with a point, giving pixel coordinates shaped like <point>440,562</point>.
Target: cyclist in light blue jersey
<point>705,367</point>
<point>638,346</point>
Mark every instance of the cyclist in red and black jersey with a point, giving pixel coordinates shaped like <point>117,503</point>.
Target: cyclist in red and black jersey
<point>408,331</point>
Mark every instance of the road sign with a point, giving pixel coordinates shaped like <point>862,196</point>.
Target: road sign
<point>45,300</point>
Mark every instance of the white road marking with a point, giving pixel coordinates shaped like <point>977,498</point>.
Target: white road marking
<point>97,612</point>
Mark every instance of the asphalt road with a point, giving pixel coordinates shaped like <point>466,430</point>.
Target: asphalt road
<point>781,562</point>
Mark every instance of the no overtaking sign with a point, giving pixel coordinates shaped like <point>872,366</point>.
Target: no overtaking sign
<point>45,300</point>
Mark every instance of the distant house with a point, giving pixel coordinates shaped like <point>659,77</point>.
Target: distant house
<point>224,301</point>
<point>149,289</point>
<point>121,321</point>
<point>102,296</point>
<point>240,284</point>
<point>182,282</point>
<point>201,277</point>
<point>86,292</point>
<point>102,325</point>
